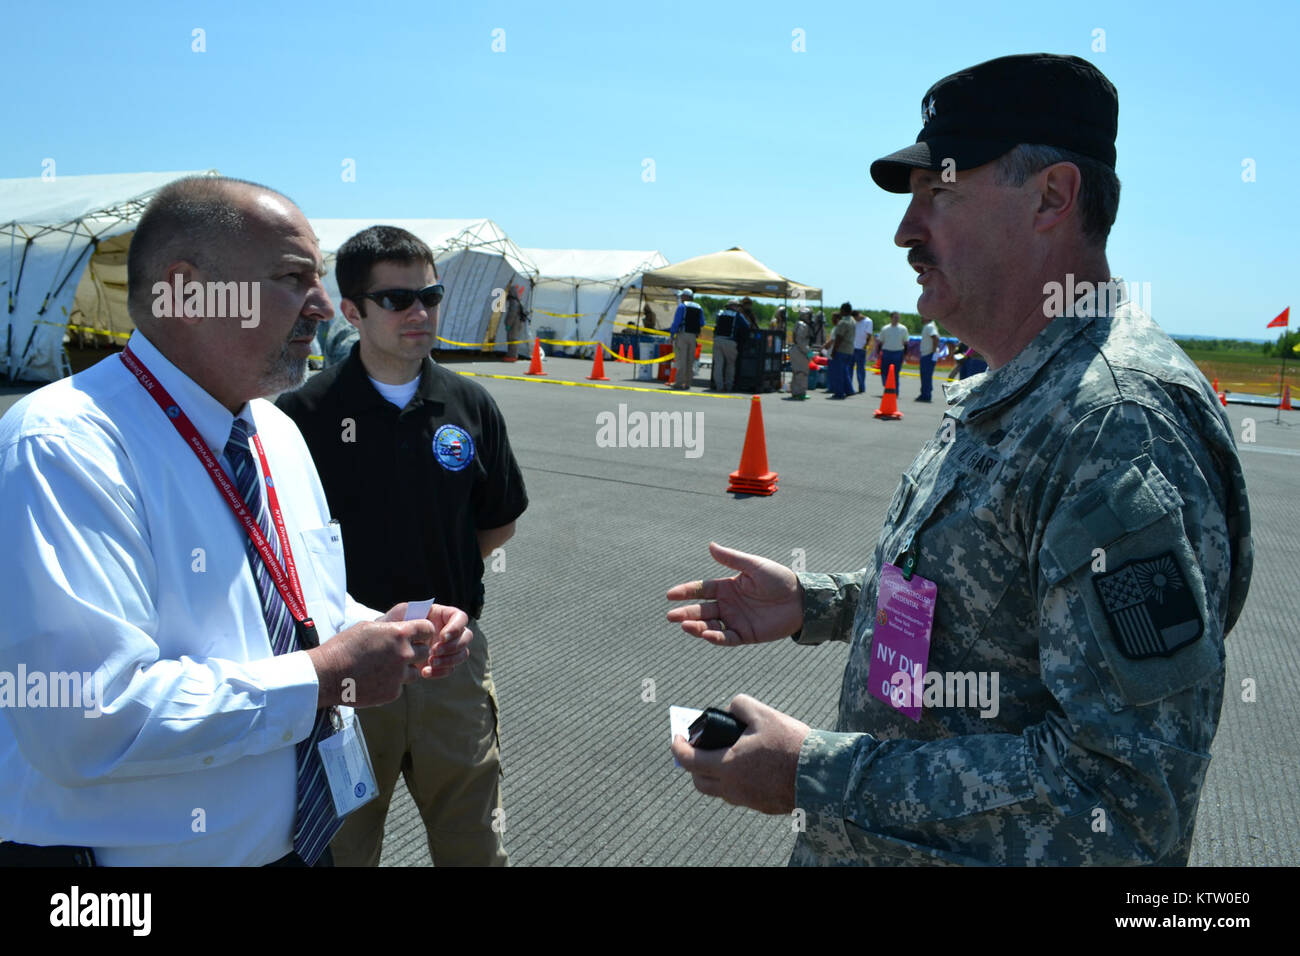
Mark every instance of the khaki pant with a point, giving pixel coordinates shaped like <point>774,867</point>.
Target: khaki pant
<point>684,347</point>
<point>441,736</point>
<point>724,363</point>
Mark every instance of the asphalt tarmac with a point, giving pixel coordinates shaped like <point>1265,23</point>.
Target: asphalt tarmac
<point>586,666</point>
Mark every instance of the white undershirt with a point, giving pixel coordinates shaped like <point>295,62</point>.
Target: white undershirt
<point>399,395</point>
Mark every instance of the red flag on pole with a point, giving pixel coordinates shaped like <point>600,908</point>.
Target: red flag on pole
<point>1282,321</point>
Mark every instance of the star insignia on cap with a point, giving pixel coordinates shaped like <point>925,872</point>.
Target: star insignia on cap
<point>927,111</point>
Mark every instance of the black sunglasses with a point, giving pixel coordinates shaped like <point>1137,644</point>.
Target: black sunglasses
<point>399,300</point>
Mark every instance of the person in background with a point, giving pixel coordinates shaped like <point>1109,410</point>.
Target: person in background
<point>730,327</point>
<point>929,349</point>
<point>861,344</point>
<point>801,353</point>
<point>967,361</point>
<point>516,324</point>
<point>893,346</point>
<point>688,323</point>
<point>841,345</point>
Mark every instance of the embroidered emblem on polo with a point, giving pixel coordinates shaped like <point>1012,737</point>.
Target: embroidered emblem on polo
<point>453,447</point>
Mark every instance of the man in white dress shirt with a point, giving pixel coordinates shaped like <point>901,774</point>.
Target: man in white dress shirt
<point>124,566</point>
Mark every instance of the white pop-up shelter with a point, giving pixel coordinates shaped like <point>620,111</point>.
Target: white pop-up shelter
<point>476,260</point>
<point>577,292</point>
<point>65,238</point>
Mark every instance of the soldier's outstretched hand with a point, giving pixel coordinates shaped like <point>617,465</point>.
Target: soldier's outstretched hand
<point>762,603</point>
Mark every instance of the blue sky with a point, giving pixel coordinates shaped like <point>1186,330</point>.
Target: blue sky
<point>753,144</point>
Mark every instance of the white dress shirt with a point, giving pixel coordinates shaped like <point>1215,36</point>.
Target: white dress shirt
<point>121,558</point>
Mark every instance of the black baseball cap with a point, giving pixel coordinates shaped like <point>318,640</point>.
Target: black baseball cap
<point>977,114</point>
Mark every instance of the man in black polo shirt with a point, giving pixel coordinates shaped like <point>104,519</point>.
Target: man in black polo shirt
<point>418,470</point>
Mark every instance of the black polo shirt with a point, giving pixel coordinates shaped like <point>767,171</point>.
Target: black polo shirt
<point>410,488</point>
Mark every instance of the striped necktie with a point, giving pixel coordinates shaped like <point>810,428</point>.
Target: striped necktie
<point>315,821</point>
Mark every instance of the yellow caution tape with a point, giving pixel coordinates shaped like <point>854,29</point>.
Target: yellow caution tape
<point>620,388</point>
<point>656,361</point>
<point>468,345</point>
<point>564,343</point>
<point>85,328</point>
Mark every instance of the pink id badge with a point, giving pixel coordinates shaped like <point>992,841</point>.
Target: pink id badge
<point>900,645</point>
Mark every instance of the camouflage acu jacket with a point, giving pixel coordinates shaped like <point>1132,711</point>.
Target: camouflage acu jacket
<point>1083,513</point>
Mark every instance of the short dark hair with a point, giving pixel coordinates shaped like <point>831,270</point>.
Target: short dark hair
<point>1098,186</point>
<point>366,249</point>
<point>190,219</point>
<point>846,308</point>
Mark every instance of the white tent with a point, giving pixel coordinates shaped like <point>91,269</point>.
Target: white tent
<point>578,291</point>
<point>475,260</point>
<point>52,230</point>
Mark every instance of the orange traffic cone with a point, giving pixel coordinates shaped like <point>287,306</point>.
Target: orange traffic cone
<point>1215,385</point>
<point>621,356</point>
<point>752,477</point>
<point>1286,398</point>
<point>672,374</point>
<point>889,402</point>
<point>1223,398</point>
<point>535,366</point>
<point>598,366</point>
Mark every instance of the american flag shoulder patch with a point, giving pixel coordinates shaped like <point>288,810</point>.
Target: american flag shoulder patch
<point>1149,606</point>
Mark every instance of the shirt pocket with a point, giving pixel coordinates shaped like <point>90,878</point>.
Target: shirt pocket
<point>974,571</point>
<point>325,587</point>
<point>1136,600</point>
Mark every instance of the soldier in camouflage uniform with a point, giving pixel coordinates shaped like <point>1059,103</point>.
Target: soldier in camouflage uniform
<point>1082,512</point>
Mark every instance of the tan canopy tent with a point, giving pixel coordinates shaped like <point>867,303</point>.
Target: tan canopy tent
<point>731,272</point>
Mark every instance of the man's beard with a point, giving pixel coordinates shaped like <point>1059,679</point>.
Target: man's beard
<point>284,373</point>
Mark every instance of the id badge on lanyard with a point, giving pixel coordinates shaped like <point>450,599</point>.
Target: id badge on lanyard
<point>347,765</point>
<point>900,642</point>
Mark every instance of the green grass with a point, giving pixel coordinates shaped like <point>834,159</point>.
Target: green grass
<point>1246,372</point>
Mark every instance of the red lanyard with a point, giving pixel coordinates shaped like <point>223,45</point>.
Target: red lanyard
<point>287,584</point>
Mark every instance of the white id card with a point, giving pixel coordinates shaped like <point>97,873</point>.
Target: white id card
<point>679,723</point>
<point>347,767</point>
<point>418,610</point>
